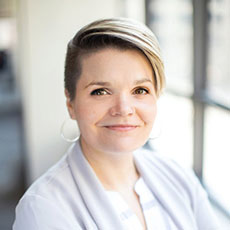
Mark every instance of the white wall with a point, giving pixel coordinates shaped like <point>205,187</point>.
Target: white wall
<point>44,29</point>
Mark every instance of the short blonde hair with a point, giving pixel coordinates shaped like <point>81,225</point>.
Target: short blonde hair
<point>121,33</point>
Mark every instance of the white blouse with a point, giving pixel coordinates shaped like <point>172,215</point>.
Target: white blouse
<point>155,216</point>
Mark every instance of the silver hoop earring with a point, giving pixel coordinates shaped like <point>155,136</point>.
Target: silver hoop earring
<point>68,127</point>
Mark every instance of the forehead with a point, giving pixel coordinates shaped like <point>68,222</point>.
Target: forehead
<point>113,64</point>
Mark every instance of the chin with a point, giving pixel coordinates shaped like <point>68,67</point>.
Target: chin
<point>122,146</point>
<point>115,144</point>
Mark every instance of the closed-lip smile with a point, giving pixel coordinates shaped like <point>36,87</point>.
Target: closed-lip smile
<point>121,127</point>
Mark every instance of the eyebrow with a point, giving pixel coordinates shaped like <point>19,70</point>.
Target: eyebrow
<point>143,81</point>
<point>104,83</point>
<point>101,83</point>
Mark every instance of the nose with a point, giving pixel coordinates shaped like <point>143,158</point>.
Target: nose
<point>122,106</point>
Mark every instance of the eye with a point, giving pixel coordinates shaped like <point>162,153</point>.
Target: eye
<point>99,92</point>
<point>141,91</point>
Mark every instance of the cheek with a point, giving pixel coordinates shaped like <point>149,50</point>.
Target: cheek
<point>87,115</point>
<point>148,111</point>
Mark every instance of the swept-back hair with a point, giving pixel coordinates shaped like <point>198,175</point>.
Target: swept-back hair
<point>120,33</point>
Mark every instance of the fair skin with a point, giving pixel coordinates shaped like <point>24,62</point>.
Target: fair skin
<point>115,107</point>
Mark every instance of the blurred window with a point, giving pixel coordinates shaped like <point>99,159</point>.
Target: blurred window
<point>173,129</point>
<point>217,154</point>
<point>217,121</point>
<point>218,68</point>
<point>171,22</point>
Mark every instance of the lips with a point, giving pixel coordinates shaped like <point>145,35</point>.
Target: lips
<point>121,127</point>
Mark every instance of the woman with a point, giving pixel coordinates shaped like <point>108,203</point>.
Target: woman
<point>113,77</point>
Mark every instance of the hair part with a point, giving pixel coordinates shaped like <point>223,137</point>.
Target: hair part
<point>119,33</point>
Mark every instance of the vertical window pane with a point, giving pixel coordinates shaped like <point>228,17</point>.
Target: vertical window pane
<point>219,50</point>
<point>217,154</point>
<point>171,21</point>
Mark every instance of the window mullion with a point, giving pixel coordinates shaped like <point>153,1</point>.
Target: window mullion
<point>199,80</point>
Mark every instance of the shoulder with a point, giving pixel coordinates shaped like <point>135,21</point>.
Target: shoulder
<point>56,179</point>
<point>171,174</point>
<point>177,184</point>
<point>155,160</point>
<point>37,212</point>
<point>53,177</point>
<point>47,199</point>
<point>50,184</point>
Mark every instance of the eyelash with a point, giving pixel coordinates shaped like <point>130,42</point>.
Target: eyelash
<point>98,92</point>
<point>146,91</point>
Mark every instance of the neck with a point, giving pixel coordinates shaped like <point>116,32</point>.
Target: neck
<point>116,171</point>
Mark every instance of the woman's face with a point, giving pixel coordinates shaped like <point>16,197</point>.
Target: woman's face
<point>115,102</point>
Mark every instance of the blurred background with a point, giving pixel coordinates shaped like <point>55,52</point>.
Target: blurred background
<point>193,122</point>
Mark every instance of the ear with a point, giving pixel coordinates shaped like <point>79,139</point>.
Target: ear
<point>70,106</point>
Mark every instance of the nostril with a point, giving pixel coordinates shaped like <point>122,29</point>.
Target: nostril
<point>131,111</point>
<point>122,105</point>
<point>122,111</point>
